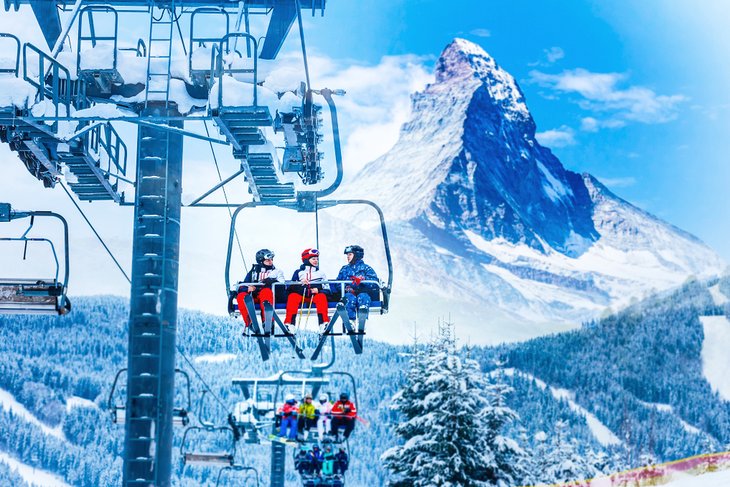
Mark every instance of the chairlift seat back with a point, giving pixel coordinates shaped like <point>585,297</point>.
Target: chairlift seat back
<point>208,458</point>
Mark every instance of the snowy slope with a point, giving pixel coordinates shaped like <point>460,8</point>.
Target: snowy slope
<point>33,476</point>
<point>600,432</point>
<point>715,359</point>
<point>493,229</point>
<point>9,403</point>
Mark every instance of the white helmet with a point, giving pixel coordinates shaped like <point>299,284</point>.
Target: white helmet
<point>289,397</point>
<point>324,397</point>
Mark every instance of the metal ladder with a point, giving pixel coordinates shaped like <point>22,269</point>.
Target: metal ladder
<point>278,464</point>
<point>159,49</point>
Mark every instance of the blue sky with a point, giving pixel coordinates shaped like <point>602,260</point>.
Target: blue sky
<point>635,93</point>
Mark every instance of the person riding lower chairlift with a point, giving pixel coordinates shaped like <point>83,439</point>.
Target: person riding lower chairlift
<point>344,413</point>
<point>356,271</point>
<point>311,290</point>
<point>289,411</point>
<point>265,273</point>
<point>325,415</point>
<point>308,416</point>
<point>342,462</point>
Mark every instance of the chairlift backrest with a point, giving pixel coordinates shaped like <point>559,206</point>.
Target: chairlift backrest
<point>13,66</point>
<point>201,62</point>
<point>106,40</point>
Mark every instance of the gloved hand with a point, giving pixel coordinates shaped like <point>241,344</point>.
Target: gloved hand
<point>356,280</point>
<point>349,289</point>
<point>270,280</point>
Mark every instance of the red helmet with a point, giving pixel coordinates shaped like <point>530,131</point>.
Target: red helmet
<point>308,254</point>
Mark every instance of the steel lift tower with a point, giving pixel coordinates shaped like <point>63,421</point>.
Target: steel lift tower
<point>95,155</point>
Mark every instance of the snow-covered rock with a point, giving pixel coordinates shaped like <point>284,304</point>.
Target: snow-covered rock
<point>491,226</point>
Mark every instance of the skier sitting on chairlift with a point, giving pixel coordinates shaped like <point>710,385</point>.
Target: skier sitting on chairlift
<point>328,461</point>
<point>356,292</point>
<point>302,462</point>
<point>315,456</point>
<point>342,462</point>
<point>344,413</point>
<point>308,291</point>
<point>325,415</point>
<point>289,411</point>
<point>307,416</point>
<point>264,272</point>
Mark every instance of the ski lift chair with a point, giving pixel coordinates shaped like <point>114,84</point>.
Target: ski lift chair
<point>208,457</point>
<point>256,412</point>
<point>236,469</point>
<point>201,61</point>
<point>380,293</point>
<point>10,66</point>
<point>45,295</point>
<point>98,66</point>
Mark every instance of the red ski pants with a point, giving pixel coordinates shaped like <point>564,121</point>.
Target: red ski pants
<point>294,301</point>
<point>258,297</point>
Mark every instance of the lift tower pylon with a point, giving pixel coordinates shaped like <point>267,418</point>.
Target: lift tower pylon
<point>153,307</point>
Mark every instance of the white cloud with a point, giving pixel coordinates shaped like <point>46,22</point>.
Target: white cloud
<point>624,182</point>
<point>554,53</point>
<point>601,93</point>
<point>591,124</point>
<point>559,137</point>
<point>481,32</point>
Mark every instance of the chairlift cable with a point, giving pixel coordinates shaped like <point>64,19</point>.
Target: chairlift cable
<point>95,232</point>
<point>180,34</point>
<point>225,195</point>
<point>304,49</point>
<point>316,221</point>
<point>200,377</point>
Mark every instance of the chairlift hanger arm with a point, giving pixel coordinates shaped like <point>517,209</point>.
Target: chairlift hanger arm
<point>8,214</point>
<point>331,203</point>
<point>326,93</point>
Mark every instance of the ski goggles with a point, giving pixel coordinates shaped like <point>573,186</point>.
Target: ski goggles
<point>269,256</point>
<point>314,252</point>
<point>349,250</point>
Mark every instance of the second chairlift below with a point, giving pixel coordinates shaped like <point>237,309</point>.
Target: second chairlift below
<point>356,286</point>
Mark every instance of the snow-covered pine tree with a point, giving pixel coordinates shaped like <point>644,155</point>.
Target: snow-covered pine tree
<point>509,457</point>
<point>446,416</point>
<point>565,462</point>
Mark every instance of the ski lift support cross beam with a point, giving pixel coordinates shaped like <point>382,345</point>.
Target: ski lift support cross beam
<point>284,13</point>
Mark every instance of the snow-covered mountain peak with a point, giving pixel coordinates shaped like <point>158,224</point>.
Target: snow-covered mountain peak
<point>463,60</point>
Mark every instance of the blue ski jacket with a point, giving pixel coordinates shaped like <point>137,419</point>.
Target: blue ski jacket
<point>361,269</point>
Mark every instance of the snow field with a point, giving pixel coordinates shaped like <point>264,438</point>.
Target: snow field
<point>715,359</point>
<point>33,476</point>
<point>717,296</point>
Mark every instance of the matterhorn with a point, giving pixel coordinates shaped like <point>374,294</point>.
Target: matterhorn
<point>489,228</point>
